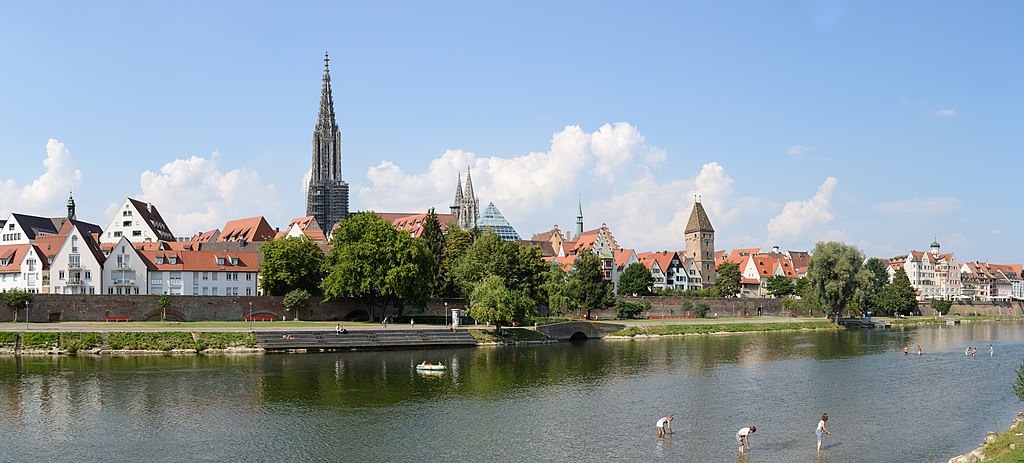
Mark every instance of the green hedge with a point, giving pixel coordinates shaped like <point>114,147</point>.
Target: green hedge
<point>8,338</point>
<point>151,341</point>
<point>70,341</point>
<point>663,330</point>
<point>210,340</point>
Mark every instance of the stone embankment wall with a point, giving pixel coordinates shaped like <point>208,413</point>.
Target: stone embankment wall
<point>60,307</point>
<point>1001,309</point>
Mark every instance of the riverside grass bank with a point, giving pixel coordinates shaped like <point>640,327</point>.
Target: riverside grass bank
<point>211,338</point>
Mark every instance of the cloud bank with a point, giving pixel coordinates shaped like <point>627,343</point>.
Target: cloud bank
<point>803,219</point>
<point>46,194</point>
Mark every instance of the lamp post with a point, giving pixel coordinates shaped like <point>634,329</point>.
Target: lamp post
<point>446,313</point>
<point>250,315</point>
<point>26,315</point>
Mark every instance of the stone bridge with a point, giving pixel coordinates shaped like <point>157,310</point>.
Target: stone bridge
<point>578,330</point>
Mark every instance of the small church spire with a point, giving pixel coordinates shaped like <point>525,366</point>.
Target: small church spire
<point>579,217</point>
<point>71,206</point>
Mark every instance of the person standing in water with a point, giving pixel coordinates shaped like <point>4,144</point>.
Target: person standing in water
<point>991,352</point>
<point>743,437</point>
<point>919,351</point>
<point>821,429</point>
<point>663,425</point>
<point>906,350</point>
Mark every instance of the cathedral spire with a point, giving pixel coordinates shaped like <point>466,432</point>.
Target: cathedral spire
<point>326,117</point>
<point>469,185</point>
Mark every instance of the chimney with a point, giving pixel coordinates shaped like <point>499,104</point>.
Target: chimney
<point>775,249</point>
<point>149,207</point>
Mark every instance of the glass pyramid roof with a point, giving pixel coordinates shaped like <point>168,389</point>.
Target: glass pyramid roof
<point>491,219</point>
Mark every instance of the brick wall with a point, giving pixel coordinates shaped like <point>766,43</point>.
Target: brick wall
<point>61,307</point>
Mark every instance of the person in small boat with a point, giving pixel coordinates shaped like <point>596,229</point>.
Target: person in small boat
<point>663,425</point>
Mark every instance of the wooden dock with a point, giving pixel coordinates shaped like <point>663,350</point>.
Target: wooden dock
<point>362,339</point>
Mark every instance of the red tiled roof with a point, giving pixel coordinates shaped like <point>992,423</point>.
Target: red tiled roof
<point>621,257</point>
<point>13,255</point>
<point>201,261</point>
<point>253,229</point>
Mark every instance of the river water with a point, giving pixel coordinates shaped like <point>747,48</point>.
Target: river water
<point>595,400</point>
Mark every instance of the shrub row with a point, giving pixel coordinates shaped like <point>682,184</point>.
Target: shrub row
<point>663,330</point>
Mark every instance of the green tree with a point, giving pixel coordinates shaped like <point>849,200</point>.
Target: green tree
<point>295,301</point>
<point>492,302</point>
<point>871,280</point>
<point>630,309</point>
<point>291,263</point>
<point>16,299</point>
<point>556,290</point>
<point>728,282</point>
<point>702,309</point>
<point>941,306</point>
<point>162,303</point>
<point>456,242</point>
<point>520,267</point>
<point>636,280</point>
<point>899,296</point>
<point>833,275</point>
<point>779,286</point>
<point>434,238</point>
<point>370,258</point>
<point>587,285</point>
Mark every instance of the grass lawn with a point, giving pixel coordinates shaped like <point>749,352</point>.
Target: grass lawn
<point>999,451</point>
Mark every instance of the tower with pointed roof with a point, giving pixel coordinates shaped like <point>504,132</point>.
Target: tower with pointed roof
<point>579,219</point>
<point>466,207</point>
<point>71,207</point>
<point>327,197</point>
<point>700,243</point>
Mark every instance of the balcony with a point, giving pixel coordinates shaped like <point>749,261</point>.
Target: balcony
<point>156,282</point>
<point>174,282</point>
<point>124,266</point>
<point>74,265</point>
<point>74,282</point>
<point>124,282</point>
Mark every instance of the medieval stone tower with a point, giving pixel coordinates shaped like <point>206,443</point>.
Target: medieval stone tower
<point>700,244</point>
<point>327,197</point>
<point>465,207</point>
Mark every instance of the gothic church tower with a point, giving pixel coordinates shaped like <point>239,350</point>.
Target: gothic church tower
<point>465,207</point>
<point>700,244</point>
<point>327,197</point>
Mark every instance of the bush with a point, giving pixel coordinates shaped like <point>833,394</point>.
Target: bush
<point>628,309</point>
<point>8,339</point>
<point>151,341</point>
<point>702,309</point>
<point>39,340</point>
<point>209,340</point>
<point>941,306</point>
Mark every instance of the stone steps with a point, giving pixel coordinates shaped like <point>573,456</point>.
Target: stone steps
<point>330,340</point>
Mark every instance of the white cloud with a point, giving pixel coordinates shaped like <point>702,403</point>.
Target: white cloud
<point>797,150</point>
<point>997,232</point>
<point>802,218</point>
<point>194,194</point>
<point>46,192</point>
<point>522,185</point>
<point>943,112</point>
<point>933,206</point>
<point>903,100</point>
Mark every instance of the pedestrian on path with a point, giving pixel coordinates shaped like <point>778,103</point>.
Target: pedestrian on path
<point>384,322</point>
<point>743,437</point>
<point>821,429</point>
<point>665,424</point>
<point>412,322</point>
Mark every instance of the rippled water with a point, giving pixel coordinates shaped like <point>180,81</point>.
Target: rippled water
<point>590,401</point>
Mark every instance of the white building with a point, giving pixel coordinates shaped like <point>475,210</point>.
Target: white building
<point>124,270</point>
<point>22,266</point>
<point>77,267</point>
<point>139,222</point>
<point>202,273</point>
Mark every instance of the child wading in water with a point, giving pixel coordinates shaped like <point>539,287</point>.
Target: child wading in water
<point>665,424</point>
<point>821,429</point>
<point>743,437</point>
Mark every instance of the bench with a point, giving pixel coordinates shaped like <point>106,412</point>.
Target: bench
<point>117,319</point>
<point>259,318</point>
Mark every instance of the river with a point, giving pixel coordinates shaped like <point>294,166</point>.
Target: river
<point>595,400</point>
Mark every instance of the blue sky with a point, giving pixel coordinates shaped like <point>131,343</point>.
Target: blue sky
<point>882,124</point>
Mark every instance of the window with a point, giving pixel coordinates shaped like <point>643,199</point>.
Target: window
<point>172,260</point>
<point>234,261</point>
<point>10,227</point>
<point>248,277</point>
<point>87,275</point>
<point>206,276</point>
<point>213,276</point>
<point>220,261</point>
<point>159,259</point>
<point>61,275</point>
<point>136,232</point>
<point>74,244</point>
<point>248,291</point>
<point>213,291</point>
<point>117,234</point>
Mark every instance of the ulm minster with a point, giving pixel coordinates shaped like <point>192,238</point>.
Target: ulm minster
<point>136,253</point>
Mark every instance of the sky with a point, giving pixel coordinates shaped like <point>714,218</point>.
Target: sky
<point>880,124</point>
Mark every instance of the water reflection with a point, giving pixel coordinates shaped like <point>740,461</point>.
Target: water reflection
<point>549,403</point>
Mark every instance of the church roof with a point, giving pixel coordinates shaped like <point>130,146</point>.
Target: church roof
<point>699,221</point>
<point>492,219</point>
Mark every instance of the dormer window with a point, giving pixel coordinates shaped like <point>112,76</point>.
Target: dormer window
<point>220,261</point>
<point>234,261</point>
<point>172,260</point>
<point>159,259</point>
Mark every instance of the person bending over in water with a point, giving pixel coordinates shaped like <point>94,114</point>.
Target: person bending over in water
<point>821,429</point>
<point>663,425</point>
<point>743,437</point>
